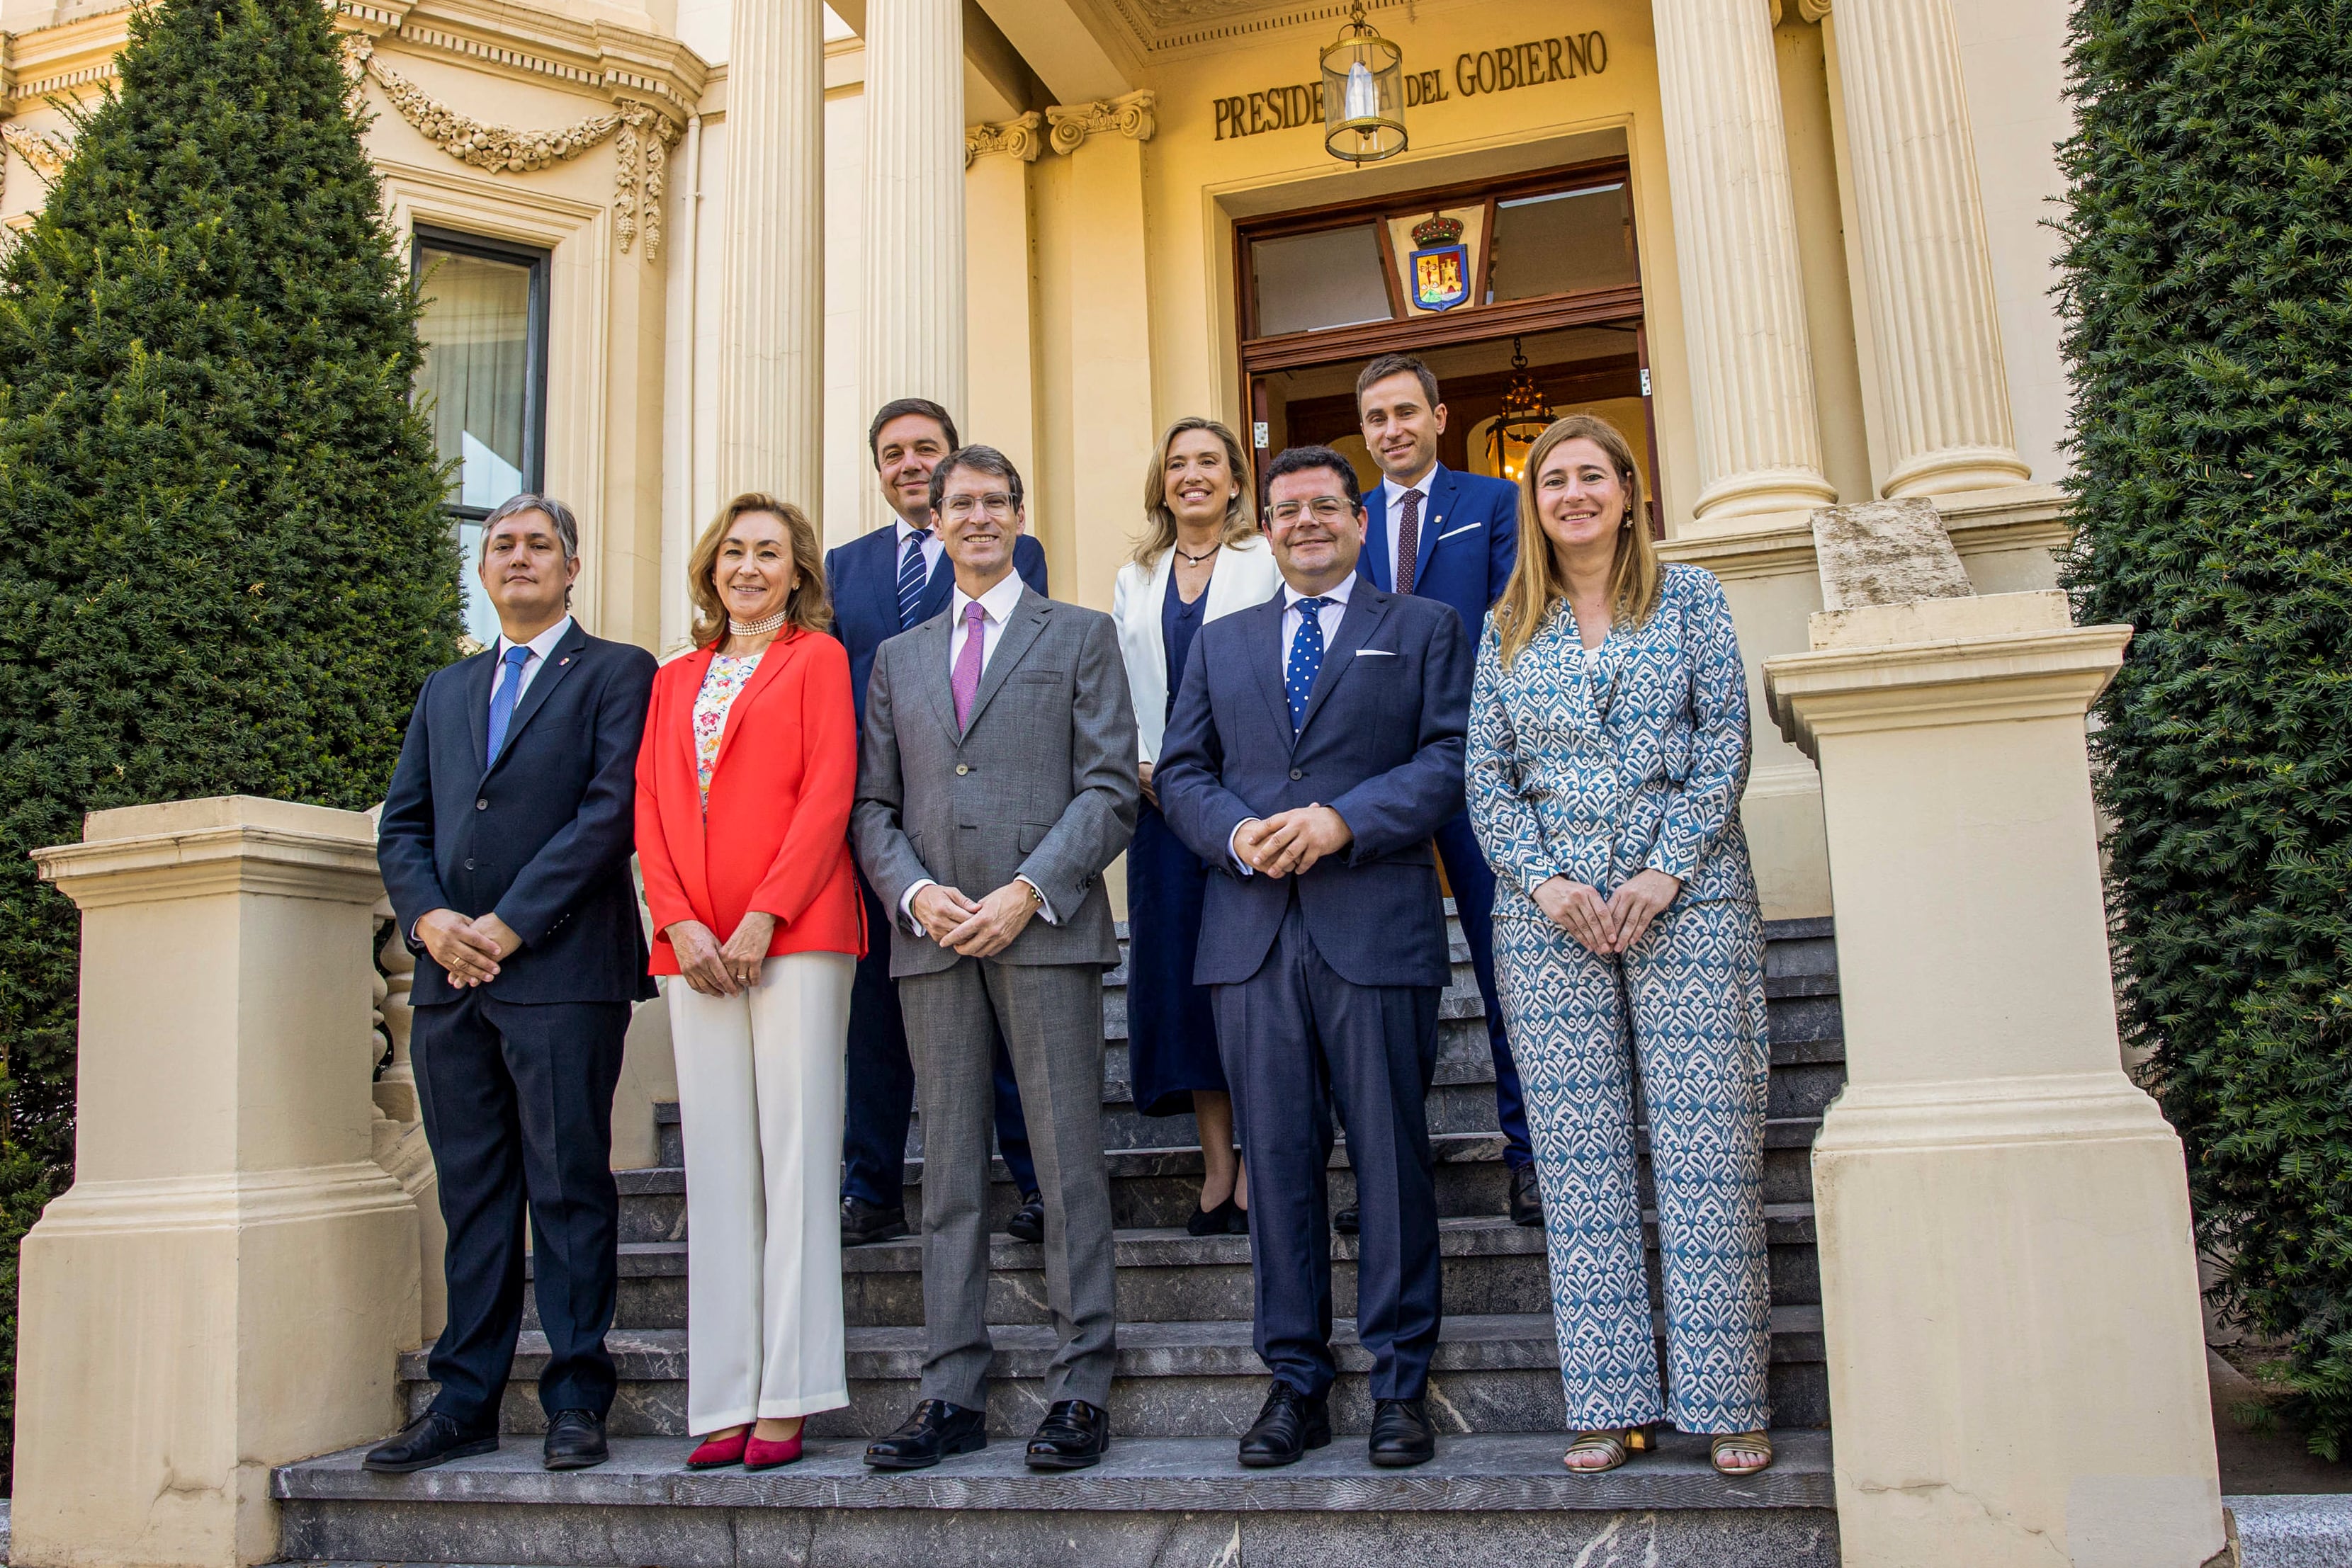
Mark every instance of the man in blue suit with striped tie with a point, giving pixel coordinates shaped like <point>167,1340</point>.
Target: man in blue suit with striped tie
<point>884,582</point>
<point>1437,534</point>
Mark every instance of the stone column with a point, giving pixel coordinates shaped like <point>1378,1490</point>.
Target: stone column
<point>2009,1286</point>
<point>1001,398</point>
<point>914,328</point>
<point>1943,390</point>
<point>1736,246</point>
<point>229,1282</point>
<point>771,337</point>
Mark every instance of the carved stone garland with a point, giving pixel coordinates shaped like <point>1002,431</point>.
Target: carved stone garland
<point>45,152</point>
<point>641,139</point>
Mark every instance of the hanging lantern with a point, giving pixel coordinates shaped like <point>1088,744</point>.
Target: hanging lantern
<point>1364,93</point>
<point>1526,415</point>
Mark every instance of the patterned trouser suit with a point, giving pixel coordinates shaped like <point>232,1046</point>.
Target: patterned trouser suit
<point>1686,1006</point>
<point>1593,765</point>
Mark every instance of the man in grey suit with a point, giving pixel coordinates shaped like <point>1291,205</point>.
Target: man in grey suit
<point>997,780</point>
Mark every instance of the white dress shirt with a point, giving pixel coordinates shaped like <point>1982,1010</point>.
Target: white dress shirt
<point>996,607</point>
<point>1327,616</point>
<point>1393,498</point>
<point>931,549</point>
<point>540,647</point>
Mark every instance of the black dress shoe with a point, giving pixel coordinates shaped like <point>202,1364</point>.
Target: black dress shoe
<point>431,1439</point>
<point>1402,1435</point>
<point>934,1431</point>
<point>1228,1219</point>
<point>1288,1423</point>
<point>575,1440</point>
<point>1347,1222</point>
<point>862,1222</point>
<point>1527,1199</point>
<point>1073,1436</point>
<point>1028,1221</point>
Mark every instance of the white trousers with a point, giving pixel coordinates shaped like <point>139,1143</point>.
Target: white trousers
<point>760,1087</point>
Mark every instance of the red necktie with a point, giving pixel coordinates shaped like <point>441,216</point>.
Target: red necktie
<point>1408,540</point>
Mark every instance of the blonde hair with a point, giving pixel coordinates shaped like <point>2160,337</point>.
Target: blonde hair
<point>807,607</point>
<point>1537,582</point>
<point>1159,519</point>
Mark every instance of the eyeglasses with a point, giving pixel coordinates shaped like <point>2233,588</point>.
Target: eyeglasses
<point>995,504</point>
<point>1325,510</point>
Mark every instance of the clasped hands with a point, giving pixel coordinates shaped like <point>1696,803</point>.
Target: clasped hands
<point>1288,843</point>
<point>722,969</point>
<point>979,930</point>
<point>1611,927</point>
<point>468,949</point>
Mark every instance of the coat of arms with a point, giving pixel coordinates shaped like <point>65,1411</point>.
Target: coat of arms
<point>1441,266</point>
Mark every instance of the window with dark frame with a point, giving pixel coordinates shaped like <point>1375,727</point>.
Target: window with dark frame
<point>484,382</point>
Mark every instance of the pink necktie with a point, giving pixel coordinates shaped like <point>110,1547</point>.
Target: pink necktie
<point>966,683</point>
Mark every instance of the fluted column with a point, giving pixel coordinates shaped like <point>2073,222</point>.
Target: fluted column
<point>771,342</point>
<point>1735,243</point>
<point>1943,391</point>
<point>914,341</point>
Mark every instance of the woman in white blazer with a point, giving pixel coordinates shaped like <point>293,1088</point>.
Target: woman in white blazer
<point>1200,557</point>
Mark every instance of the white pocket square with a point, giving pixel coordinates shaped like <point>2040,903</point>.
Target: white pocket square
<point>1463,529</point>
<point>1376,653</point>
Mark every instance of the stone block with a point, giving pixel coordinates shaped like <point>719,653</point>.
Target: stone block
<point>1885,552</point>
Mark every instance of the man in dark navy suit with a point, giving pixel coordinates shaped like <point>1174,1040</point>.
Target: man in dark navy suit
<point>1452,536</point>
<point>1316,746</point>
<point>888,581</point>
<point>504,846</point>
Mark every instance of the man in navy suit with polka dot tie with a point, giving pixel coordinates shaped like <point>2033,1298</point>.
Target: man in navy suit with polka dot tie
<point>1316,746</point>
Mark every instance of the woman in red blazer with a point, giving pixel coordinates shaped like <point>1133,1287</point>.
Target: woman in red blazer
<point>744,784</point>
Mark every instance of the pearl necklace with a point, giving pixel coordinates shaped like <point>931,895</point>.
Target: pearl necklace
<point>755,628</point>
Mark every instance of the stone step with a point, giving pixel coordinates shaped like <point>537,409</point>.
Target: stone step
<point>1161,1187</point>
<point>1497,1373</point>
<point>1167,1276</point>
<point>1174,1502</point>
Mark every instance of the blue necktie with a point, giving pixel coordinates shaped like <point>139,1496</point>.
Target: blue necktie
<point>1305,658</point>
<point>910,579</point>
<point>502,701</point>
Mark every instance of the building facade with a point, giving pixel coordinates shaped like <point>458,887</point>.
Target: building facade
<point>1799,251</point>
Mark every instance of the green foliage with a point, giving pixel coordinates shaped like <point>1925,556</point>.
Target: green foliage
<point>2209,291</point>
<point>223,565</point>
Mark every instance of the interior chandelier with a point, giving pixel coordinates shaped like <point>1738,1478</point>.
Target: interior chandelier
<point>1525,415</point>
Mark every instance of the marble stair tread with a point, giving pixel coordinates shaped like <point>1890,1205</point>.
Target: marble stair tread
<point>1498,1471</point>
<point>1213,1348</point>
<point>1477,1235</point>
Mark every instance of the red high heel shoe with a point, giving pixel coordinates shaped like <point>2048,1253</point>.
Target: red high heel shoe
<point>716,1453</point>
<point>762,1455</point>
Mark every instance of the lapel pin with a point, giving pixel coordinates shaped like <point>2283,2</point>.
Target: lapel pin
<point>565,660</point>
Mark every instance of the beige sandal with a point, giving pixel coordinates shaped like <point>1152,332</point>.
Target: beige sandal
<point>1740,1442</point>
<point>1617,1444</point>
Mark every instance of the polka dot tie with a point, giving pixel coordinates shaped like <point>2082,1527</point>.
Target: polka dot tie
<point>1305,658</point>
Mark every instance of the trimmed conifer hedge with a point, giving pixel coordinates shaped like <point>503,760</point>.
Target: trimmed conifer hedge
<point>2207,282</point>
<point>223,569</point>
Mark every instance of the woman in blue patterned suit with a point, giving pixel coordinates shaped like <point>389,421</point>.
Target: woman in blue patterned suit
<point>1608,749</point>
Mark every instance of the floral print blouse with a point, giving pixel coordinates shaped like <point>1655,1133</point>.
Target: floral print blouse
<point>722,685</point>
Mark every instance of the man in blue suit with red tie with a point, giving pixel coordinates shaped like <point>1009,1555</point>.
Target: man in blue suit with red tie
<point>884,582</point>
<point>1437,534</point>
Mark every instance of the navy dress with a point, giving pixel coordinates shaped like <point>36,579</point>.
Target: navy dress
<point>1171,1040</point>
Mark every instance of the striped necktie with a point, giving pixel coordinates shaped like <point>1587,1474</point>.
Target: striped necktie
<point>911,579</point>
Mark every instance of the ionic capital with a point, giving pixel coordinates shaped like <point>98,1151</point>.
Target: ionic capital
<point>1131,114</point>
<point>1019,137</point>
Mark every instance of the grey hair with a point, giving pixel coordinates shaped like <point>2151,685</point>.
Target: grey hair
<point>567,527</point>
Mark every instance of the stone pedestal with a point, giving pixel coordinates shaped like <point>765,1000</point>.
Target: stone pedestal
<point>228,1282</point>
<point>2008,1287</point>
<point>1735,243</point>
